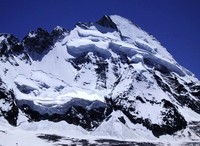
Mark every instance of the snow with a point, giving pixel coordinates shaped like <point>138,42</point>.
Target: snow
<point>2,38</point>
<point>83,49</point>
<point>94,33</point>
<point>28,132</point>
<point>115,129</point>
<point>52,97</point>
<point>133,34</point>
<point>188,114</point>
<point>83,95</point>
<point>120,48</point>
<point>145,46</point>
<point>32,35</point>
<point>58,28</point>
<point>15,138</point>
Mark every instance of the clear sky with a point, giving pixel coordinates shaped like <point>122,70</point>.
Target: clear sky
<point>175,23</point>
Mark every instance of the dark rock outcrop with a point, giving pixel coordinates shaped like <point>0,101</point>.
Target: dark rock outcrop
<point>106,21</point>
<point>87,114</point>
<point>9,109</point>
<point>38,42</point>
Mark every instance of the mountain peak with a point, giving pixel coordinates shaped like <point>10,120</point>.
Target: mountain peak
<point>38,41</point>
<point>59,33</point>
<point>106,21</point>
<point>9,44</point>
<point>105,78</point>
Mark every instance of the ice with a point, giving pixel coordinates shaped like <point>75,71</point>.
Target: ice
<point>84,49</point>
<point>94,33</point>
<point>83,95</point>
<point>144,45</point>
<point>121,49</point>
<point>161,64</point>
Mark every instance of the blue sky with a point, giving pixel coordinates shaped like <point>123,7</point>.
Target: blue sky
<point>175,23</point>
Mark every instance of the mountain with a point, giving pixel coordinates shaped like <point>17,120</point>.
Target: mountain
<point>107,81</point>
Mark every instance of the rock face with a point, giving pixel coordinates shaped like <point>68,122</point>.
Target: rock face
<point>86,75</point>
<point>10,45</point>
<point>8,108</point>
<point>87,114</point>
<point>37,41</point>
<point>106,21</point>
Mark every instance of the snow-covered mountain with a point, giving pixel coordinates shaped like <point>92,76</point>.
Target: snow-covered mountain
<point>103,80</point>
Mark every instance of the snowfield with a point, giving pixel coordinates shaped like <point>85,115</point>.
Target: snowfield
<point>48,133</point>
